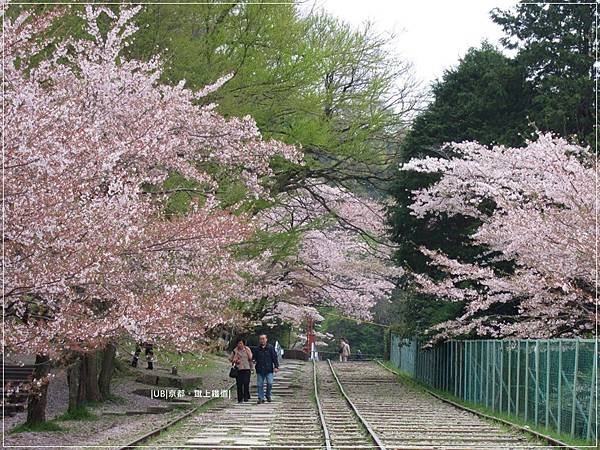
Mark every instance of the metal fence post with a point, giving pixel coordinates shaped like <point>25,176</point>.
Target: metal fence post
<point>442,368</point>
<point>427,355</point>
<point>487,373</point>
<point>518,377</point>
<point>591,411</point>
<point>537,378</point>
<point>416,356</point>
<point>559,415</point>
<point>526,380</point>
<point>438,379</point>
<point>494,377</point>
<point>471,372</point>
<point>574,404</point>
<point>501,377</point>
<point>447,358</point>
<point>473,352</point>
<point>509,379</point>
<point>434,372</point>
<point>433,365</point>
<point>480,344</point>
<point>422,372</point>
<point>459,369</point>
<point>547,383</point>
<point>453,348</point>
<point>465,363</point>
<point>417,363</point>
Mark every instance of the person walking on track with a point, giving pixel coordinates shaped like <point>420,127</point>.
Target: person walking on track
<point>344,351</point>
<point>242,358</point>
<point>266,363</point>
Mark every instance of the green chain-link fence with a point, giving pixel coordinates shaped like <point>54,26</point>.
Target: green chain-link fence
<point>550,383</point>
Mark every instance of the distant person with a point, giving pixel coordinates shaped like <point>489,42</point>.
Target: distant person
<point>266,363</point>
<point>344,351</point>
<point>148,351</point>
<point>242,358</point>
<point>358,354</point>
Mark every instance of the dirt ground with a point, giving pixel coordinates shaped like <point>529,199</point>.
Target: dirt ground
<point>107,429</point>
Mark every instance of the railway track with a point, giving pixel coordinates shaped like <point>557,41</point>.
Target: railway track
<point>345,429</point>
<point>289,422</point>
<point>404,418</point>
<point>353,405</point>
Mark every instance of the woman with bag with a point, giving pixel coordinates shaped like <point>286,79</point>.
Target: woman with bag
<point>241,357</point>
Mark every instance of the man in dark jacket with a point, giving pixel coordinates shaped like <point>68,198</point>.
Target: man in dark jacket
<point>265,360</point>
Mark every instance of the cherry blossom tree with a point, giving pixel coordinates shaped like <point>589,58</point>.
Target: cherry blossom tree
<point>89,254</point>
<point>538,211</point>
<point>342,257</point>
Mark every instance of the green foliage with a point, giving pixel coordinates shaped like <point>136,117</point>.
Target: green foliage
<point>338,92</point>
<point>281,245</point>
<point>181,194</point>
<point>78,413</point>
<point>411,314</point>
<point>367,338</point>
<point>280,331</point>
<point>387,340</point>
<point>41,427</point>
<point>187,362</point>
<point>309,80</point>
<point>555,45</point>
<point>493,99</point>
<point>483,99</point>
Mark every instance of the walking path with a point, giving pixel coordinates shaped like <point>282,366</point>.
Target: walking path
<point>287,421</point>
<point>393,415</point>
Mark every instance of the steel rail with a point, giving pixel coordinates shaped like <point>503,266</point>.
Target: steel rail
<point>379,443</point>
<point>155,432</point>
<point>321,416</point>
<point>550,440</point>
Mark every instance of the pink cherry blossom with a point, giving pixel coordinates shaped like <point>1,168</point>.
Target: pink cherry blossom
<point>544,221</point>
<point>91,136</point>
<point>343,259</point>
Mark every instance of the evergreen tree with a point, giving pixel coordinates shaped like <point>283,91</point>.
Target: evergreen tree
<point>485,98</point>
<point>555,44</point>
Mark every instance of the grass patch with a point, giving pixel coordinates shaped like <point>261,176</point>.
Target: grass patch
<point>312,398</point>
<point>37,428</point>
<point>483,409</point>
<point>78,413</point>
<point>179,406</point>
<point>189,363</point>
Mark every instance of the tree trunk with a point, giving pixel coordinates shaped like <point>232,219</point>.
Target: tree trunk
<point>107,369</point>
<point>89,377</point>
<point>36,404</point>
<point>73,377</point>
<point>81,384</point>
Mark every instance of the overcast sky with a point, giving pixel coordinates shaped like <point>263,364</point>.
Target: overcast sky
<point>433,34</point>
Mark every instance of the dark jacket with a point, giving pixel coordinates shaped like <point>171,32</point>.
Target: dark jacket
<point>265,359</point>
